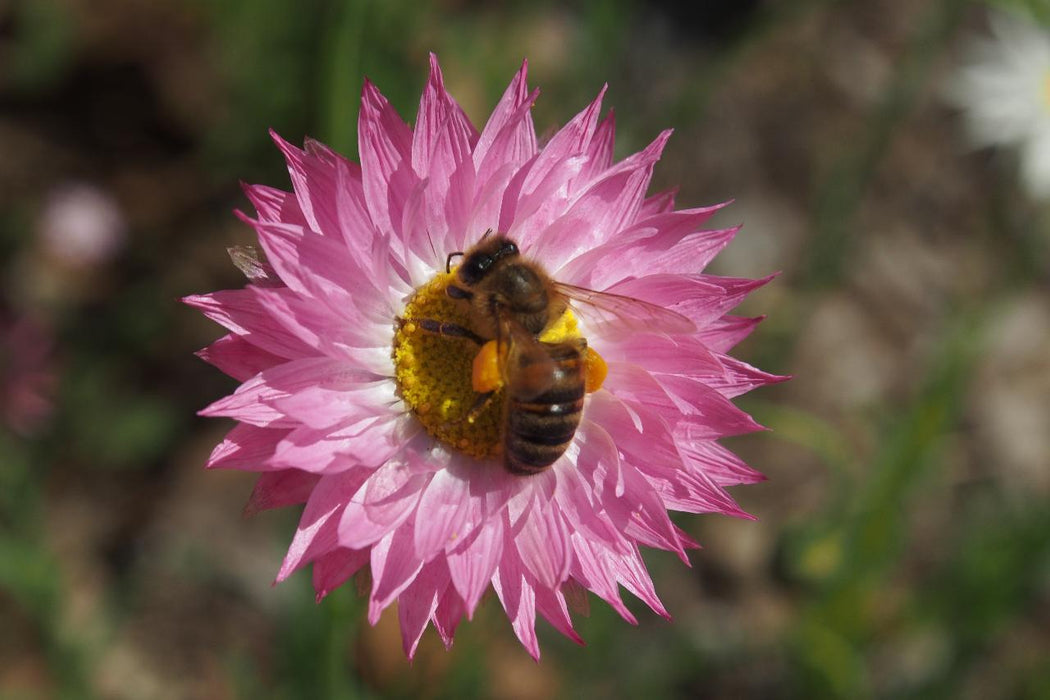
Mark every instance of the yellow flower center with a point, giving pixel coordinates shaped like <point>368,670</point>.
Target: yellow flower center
<point>434,371</point>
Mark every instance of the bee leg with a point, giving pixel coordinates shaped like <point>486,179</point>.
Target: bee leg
<point>457,293</point>
<point>449,329</point>
<point>479,405</point>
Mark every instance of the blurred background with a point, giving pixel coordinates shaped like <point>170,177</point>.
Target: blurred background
<point>902,547</point>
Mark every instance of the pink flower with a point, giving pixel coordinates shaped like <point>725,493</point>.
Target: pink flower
<point>28,374</point>
<point>345,406</point>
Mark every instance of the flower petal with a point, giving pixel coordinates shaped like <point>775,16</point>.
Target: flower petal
<point>509,137</point>
<point>317,531</point>
<point>238,310</point>
<point>394,568</point>
<point>335,568</point>
<point>440,514</point>
<point>542,543</point>
<point>385,144</point>
<point>419,603</point>
<point>518,599</point>
<point>237,357</point>
<point>279,489</point>
<point>247,447</point>
<point>381,505</point>
<point>473,563</point>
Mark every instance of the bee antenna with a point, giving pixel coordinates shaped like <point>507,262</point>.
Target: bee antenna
<point>448,260</point>
<point>433,248</point>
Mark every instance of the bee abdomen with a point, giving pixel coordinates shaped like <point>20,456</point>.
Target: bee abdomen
<point>538,432</point>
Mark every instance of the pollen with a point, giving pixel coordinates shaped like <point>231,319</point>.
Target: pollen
<point>434,371</point>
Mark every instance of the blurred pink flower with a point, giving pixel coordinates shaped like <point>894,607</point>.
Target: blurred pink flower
<point>326,406</point>
<point>27,374</point>
<point>82,224</point>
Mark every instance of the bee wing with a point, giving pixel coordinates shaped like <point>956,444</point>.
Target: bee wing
<point>248,260</point>
<point>607,310</point>
<point>529,369</point>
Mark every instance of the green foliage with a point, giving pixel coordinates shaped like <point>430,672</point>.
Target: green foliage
<point>42,51</point>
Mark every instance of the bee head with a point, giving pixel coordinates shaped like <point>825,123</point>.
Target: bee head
<point>480,260</point>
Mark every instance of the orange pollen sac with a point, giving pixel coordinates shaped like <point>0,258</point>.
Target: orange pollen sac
<point>486,375</point>
<point>594,370</point>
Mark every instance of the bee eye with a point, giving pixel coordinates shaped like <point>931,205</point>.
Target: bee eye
<point>475,267</point>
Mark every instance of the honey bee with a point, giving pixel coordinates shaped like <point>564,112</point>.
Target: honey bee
<point>512,301</point>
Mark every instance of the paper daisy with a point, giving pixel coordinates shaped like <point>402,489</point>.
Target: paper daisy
<point>423,366</point>
<point>1004,92</point>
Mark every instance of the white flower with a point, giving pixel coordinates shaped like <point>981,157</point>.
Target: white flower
<point>1004,90</point>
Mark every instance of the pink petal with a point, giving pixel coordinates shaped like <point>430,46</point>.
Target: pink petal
<point>509,137</point>
<point>542,544</point>
<point>319,451</point>
<point>448,615</point>
<point>658,203</point>
<point>735,378</point>
<point>678,354</point>
<point>635,578</point>
<point>647,444</point>
<point>635,387</point>
<point>599,151</point>
<point>703,406</point>
<point>592,568</point>
<point>248,448</point>
<point>473,563</point>
<point>441,514</point>
<point>583,511</point>
<point>313,177</point>
<point>316,534</point>
<point>272,204</point>
<point>551,604</point>
<point>419,602</point>
<point>355,221</point>
<point>529,208</point>
<point>665,243</point>
<point>239,311</point>
<point>702,298</point>
<point>571,140</point>
<point>335,568</point>
<point>394,567</point>
<point>385,144</point>
<point>335,394</point>
<point>317,391</point>
<point>278,489</point>
<point>519,601</point>
<point>640,514</point>
<point>365,345</point>
<point>245,405</point>
<point>442,155</point>
<point>386,501</point>
<point>597,459</point>
<point>367,442</point>
<point>607,204</point>
<point>722,334</point>
<point>237,357</point>
<point>713,460</point>
<point>321,268</point>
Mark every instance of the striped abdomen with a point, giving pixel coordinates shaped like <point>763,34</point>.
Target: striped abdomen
<point>537,431</point>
